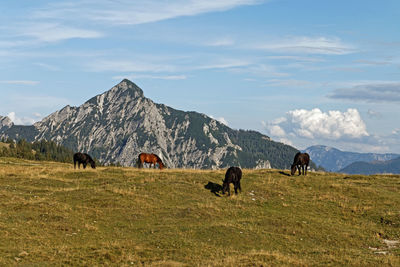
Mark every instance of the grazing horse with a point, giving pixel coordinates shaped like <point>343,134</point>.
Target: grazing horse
<point>83,158</point>
<point>232,175</point>
<point>301,161</point>
<point>149,158</point>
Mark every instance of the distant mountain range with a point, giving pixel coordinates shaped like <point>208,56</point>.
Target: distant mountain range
<point>121,123</point>
<point>375,167</point>
<point>335,160</point>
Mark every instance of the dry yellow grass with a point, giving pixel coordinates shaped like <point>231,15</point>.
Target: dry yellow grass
<point>51,214</point>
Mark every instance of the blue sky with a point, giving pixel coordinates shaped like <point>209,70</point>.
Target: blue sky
<point>303,72</point>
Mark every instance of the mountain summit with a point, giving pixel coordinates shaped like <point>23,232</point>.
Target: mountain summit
<point>121,123</point>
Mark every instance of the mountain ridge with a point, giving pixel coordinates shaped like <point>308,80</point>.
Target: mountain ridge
<point>374,167</point>
<point>118,124</point>
<point>333,159</point>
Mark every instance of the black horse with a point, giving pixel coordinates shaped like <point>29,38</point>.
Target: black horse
<point>83,158</point>
<point>301,161</point>
<point>232,175</point>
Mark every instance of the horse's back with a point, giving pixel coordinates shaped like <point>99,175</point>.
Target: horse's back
<point>78,156</point>
<point>234,173</point>
<point>301,158</point>
<point>306,158</point>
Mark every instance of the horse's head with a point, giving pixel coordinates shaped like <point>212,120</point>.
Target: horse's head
<point>293,169</point>
<point>225,186</point>
<point>93,164</point>
<point>160,164</point>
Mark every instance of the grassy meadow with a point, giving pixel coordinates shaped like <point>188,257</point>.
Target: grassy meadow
<point>51,215</point>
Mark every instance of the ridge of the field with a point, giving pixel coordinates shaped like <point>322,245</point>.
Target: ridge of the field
<point>51,215</point>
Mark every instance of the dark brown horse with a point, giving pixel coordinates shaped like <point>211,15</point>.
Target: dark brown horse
<point>232,175</point>
<point>301,161</point>
<point>83,158</point>
<point>149,158</point>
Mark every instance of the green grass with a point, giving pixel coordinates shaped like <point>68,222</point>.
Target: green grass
<point>51,215</point>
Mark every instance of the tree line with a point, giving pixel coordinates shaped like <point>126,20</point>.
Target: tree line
<point>39,150</point>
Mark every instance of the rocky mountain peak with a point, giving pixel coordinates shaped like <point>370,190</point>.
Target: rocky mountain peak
<point>5,122</point>
<point>119,124</point>
<point>127,86</point>
<point>124,91</point>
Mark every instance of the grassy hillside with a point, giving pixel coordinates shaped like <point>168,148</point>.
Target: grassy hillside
<point>51,214</point>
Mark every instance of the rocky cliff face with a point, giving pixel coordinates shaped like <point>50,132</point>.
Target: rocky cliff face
<point>5,123</point>
<point>121,123</point>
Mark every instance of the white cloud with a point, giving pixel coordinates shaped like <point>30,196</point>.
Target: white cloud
<point>156,77</point>
<point>223,120</point>
<point>276,130</point>
<point>135,65</point>
<point>220,119</point>
<point>296,58</point>
<point>225,64</point>
<point>47,66</point>
<point>51,32</point>
<point>20,82</point>
<point>21,120</point>
<point>138,12</point>
<point>307,45</point>
<point>261,70</point>
<point>311,124</point>
<point>221,42</point>
<point>396,132</point>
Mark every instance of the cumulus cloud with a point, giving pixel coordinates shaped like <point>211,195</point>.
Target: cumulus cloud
<point>370,92</point>
<point>23,120</point>
<point>311,124</point>
<point>220,119</point>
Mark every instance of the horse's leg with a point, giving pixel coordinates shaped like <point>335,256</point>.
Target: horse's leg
<point>74,164</point>
<point>306,168</point>
<point>240,188</point>
<point>84,165</point>
<point>79,165</point>
<point>299,167</point>
<point>235,186</point>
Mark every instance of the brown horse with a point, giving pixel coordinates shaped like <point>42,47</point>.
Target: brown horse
<point>149,158</point>
<point>301,161</point>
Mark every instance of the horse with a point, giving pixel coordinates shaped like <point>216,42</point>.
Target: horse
<point>301,161</point>
<point>83,158</point>
<point>232,175</point>
<point>149,158</point>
